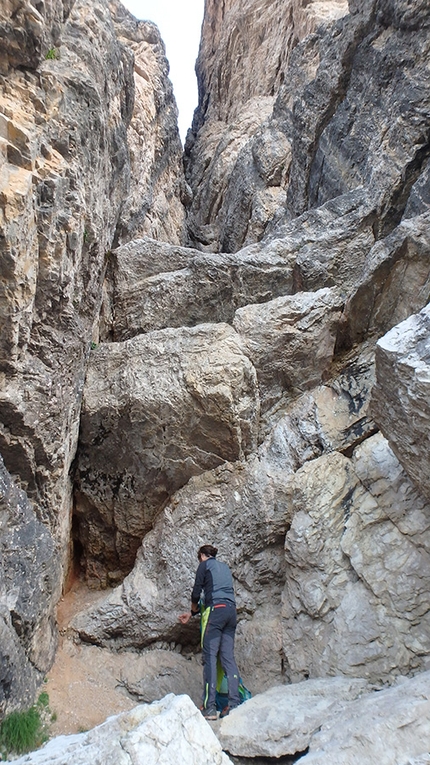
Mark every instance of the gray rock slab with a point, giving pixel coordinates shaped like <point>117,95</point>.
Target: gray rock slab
<point>155,285</point>
<point>290,341</point>
<point>401,396</point>
<point>390,726</point>
<point>166,732</point>
<point>284,719</point>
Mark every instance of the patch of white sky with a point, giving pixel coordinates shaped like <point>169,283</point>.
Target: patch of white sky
<point>179,22</point>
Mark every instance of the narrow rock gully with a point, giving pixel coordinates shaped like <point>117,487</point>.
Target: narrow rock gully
<point>84,684</point>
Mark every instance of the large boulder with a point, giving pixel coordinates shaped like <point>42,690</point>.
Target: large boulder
<point>283,720</point>
<point>156,410</point>
<point>393,284</point>
<point>154,285</point>
<point>358,568</point>
<point>401,396</point>
<point>334,722</point>
<point>165,732</point>
<point>290,341</point>
<point>379,729</point>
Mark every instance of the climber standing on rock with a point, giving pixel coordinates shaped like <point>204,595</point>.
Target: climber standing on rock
<point>218,627</point>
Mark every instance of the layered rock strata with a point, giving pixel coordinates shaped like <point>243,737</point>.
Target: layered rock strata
<point>402,410</point>
<point>309,125</point>
<point>89,156</point>
<point>227,393</point>
<point>30,584</point>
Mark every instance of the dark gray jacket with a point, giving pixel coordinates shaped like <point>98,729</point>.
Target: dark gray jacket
<point>216,581</point>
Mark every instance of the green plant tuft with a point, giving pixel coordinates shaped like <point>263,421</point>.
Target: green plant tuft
<point>51,54</point>
<point>43,700</point>
<point>21,732</point>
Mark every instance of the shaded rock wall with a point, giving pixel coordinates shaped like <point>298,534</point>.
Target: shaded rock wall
<point>67,196</point>
<point>314,127</point>
<point>30,584</point>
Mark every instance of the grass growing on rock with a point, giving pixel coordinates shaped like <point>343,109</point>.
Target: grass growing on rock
<point>22,732</point>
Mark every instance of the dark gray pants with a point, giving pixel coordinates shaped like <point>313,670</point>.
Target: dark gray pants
<point>219,639</point>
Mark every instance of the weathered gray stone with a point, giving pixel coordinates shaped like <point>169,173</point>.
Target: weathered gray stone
<point>318,152</point>
<point>156,410</point>
<point>155,285</point>
<point>395,282</point>
<point>237,160</point>
<point>330,243</point>
<point>379,729</point>
<point>69,130</point>
<point>65,180</point>
<point>159,672</point>
<point>290,341</point>
<point>401,397</point>
<point>29,587</point>
<point>241,509</point>
<point>153,205</point>
<point>166,732</point>
<point>284,719</point>
<point>357,572</point>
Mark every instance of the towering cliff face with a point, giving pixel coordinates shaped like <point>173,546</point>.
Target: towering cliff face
<point>237,156</point>
<point>309,124</point>
<point>234,396</point>
<point>84,165</point>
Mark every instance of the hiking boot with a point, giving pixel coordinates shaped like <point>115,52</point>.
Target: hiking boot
<point>210,714</point>
<point>225,712</point>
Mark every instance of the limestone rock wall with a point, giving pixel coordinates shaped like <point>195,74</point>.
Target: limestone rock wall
<point>228,395</point>
<point>89,156</point>
<point>305,124</point>
<point>30,584</point>
<point>310,517</point>
<point>67,196</point>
